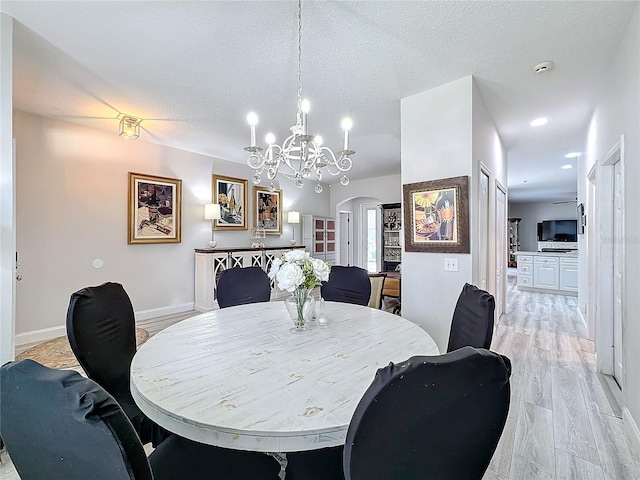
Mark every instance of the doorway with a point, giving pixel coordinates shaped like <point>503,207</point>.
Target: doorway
<point>501,250</point>
<point>608,237</point>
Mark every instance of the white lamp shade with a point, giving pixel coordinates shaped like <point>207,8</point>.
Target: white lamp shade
<point>293,217</point>
<point>212,211</point>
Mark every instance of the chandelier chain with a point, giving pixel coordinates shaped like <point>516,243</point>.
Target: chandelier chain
<point>301,154</point>
<point>299,60</point>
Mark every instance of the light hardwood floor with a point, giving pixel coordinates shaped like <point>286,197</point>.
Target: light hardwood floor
<point>564,421</point>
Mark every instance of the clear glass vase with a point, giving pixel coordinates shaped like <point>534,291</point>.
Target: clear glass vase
<point>299,306</point>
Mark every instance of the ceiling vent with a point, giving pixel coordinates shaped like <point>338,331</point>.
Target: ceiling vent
<point>543,67</point>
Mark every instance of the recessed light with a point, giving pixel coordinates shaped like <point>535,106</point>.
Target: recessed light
<point>572,155</point>
<point>538,122</point>
<point>566,167</point>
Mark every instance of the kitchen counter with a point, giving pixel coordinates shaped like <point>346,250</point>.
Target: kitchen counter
<point>548,272</point>
<point>572,253</point>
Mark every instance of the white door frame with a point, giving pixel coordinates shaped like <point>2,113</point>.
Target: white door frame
<point>603,237</point>
<point>502,252</point>
<point>486,280</point>
<point>348,234</point>
<point>7,195</point>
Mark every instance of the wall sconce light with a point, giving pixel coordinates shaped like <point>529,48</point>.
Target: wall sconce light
<point>212,212</point>
<point>293,217</point>
<point>129,126</point>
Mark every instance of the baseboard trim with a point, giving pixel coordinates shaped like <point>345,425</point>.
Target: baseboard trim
<point>632,428</point>
<point>41,335</point>
<point>162,311</point>
<point>44,334</point>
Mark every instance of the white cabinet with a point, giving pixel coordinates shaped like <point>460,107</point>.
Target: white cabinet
<point>550,272</point>
<point>546,273</point>
<point>525,270</point>
<point>319,233</point>
<point>209,265</point>
<point>569,274</point>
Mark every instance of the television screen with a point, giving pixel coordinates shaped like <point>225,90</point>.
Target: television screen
<point>560,231</point>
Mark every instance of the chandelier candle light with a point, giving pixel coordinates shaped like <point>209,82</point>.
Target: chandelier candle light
<point>301,153</point>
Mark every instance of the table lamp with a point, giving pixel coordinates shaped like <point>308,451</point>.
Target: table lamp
<point>212,212</point>
<point>293,217</point>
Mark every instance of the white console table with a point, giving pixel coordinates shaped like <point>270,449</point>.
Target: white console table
<point>548,272</point>
<point>210,262</point>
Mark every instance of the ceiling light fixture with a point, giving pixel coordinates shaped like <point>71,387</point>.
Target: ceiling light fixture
<point>566,167</point>
<point>538,122</point>
<point>129,126</point>
<point>301,152</point>
<point>572,155</point>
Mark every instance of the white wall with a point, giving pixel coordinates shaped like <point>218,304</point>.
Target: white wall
<point>72,191</point>
<point>618,113</point>
<point>446,132</point>
<point>533,212</point>
<point>7,182</point>
<point>386,189</point>
<point>436,143</point>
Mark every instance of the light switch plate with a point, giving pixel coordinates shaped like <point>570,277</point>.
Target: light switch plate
<point>450,264</point>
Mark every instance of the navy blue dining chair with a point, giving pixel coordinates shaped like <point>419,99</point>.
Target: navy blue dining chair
<point>59,425</point>
<point>429,417</point>
<point>347,285</point>
<point>240,286</point>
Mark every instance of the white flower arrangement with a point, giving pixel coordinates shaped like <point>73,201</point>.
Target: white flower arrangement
<point>297,270</point>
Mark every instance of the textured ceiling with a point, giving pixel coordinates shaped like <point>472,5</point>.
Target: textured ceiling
<point>193,70</point>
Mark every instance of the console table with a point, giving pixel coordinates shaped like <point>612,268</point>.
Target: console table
<point>210,262</point>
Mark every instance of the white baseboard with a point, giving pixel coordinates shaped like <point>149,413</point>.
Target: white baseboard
<point>162,311</point>
<point>44,334</point>
<point>41,335</point>
<point>632,428</point>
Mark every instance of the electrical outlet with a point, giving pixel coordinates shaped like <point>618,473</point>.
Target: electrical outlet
<point>451,264</point>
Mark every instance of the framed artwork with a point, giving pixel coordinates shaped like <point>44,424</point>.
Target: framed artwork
<point>231,194</point>
<point>436,216</point>
<point>155,209</point>
<point>581,217</point>
<point>267,210</point>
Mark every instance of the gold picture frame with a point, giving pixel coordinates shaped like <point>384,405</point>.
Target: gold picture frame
<point>436,216</point>
<point>155,209</point>
<point>267,210</point>
<point>231,194</point>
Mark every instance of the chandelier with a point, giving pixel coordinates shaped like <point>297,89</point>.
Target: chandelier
<point>301,155</point>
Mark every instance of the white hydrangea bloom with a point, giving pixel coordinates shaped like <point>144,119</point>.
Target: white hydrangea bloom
<point>320,269</point>
<point>290,277</point>
<point>296,256</point>
<point>275,266</point>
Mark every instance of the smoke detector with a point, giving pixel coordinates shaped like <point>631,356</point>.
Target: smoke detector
<point>543,66</point>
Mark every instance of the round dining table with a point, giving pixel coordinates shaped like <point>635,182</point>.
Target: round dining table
<point>240,378</point>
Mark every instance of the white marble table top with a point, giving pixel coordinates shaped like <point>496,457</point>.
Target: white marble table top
<point>238,378</point>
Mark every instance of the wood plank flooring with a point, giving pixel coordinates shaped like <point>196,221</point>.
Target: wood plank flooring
<point>564,422</point>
